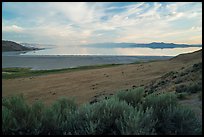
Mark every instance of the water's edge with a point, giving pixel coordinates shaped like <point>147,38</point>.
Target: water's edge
<point>48,62</point>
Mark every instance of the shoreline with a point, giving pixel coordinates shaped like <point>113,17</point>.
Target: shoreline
<point>86,84</point>
<point>17,72</point>
<point>12,53</point>
<point>69,61</point>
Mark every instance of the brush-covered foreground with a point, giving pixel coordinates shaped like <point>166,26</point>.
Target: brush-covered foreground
<point>127,112</point>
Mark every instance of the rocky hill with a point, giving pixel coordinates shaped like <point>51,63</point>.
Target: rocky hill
<point>13,46</point>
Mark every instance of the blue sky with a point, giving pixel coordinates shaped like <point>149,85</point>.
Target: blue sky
<point>84,23</point>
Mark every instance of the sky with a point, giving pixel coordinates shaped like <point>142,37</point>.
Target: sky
<point>100,22</point>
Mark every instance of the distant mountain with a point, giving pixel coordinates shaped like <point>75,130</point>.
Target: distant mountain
<point>153,45</point>
<point>37,45</point>
<point>13,46</point>
<point>166,45</point>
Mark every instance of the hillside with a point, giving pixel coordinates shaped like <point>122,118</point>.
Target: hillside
<point>187,75</point>
<point>13,46</point>
<point>188,57</point>
<point>92,84</point>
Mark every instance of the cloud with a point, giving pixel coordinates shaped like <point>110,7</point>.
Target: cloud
<point>196,28</point>
<point>76,23</point>
<point>12,28</point>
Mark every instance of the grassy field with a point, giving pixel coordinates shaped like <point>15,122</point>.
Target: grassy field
<point>142,62</point>
<point>9,73</point>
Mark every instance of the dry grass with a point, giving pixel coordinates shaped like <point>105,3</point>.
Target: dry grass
<point>85,84</point>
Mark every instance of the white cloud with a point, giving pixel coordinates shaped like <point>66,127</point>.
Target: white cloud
<point>12,28</point>
<point>196,28</point>
<point>76,23</point>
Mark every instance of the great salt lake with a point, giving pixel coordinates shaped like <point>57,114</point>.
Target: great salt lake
<point>69,57</point>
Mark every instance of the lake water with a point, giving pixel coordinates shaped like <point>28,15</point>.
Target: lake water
<point>58,58</point>
<point>79,50</point>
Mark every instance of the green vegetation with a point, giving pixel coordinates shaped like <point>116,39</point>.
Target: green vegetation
<point>8,73</point>
<point>200,96</point>
<point>144,61</point>
<point>128,112</point>
<point>182,96</point>
<point>171,117</point>
<point>190,88</point>
<point>131,97</point>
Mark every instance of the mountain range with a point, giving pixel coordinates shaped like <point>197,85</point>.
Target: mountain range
<point>154,45</point>
<point>13,46</point>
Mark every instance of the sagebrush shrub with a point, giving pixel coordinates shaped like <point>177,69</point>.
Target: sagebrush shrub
<point>99,118</point>
<point>191,88</point>
<point>20,114</point>
<point>107,112</point>
<point>133,96</point>
<point>181,120</point>
<point>160,103</point>
<point>120,115</point>
<point>55,117</point>
<point>182,96</point>
<point>37,111</point>
<point>172,117</point>
<point>137,122</point>
<point>7,120</point>
<point>81,121</point>
<point>200,96</point>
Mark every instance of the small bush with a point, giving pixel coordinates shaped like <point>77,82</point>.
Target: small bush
<point>194,88</point>
<point>200,96</point>
<point>197,67</point>
<point>162,82</point>
<point>160,103</point>
<point>183,74</point>
<point>107,112</point>
<point>182,96</point>
<point>56,115</point>
<point>7,121</point>
<point>181,88</point>
<point>181,120</point>
<point>137,122</point>
<point>168,74</point>
<point>19,113</point>
<point>132,97</point>
<point>37,110</point>
<point>152,114</point>
<point>191,88</point>
<point>178,80</point>
<point>172,117</point>
<point>80,122</point>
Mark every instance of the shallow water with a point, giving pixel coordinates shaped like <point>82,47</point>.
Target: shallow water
<point>59,62</point>
<point>58,58</point>
<point>79,50</point>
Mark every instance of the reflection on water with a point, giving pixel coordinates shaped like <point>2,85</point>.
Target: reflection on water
<point>113,51</point>
<point>39,61</point>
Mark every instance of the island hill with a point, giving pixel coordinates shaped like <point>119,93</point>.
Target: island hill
<point>13,46</point>
<point>153,45</point>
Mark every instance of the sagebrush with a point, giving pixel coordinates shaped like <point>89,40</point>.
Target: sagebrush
<point>126,113</point>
